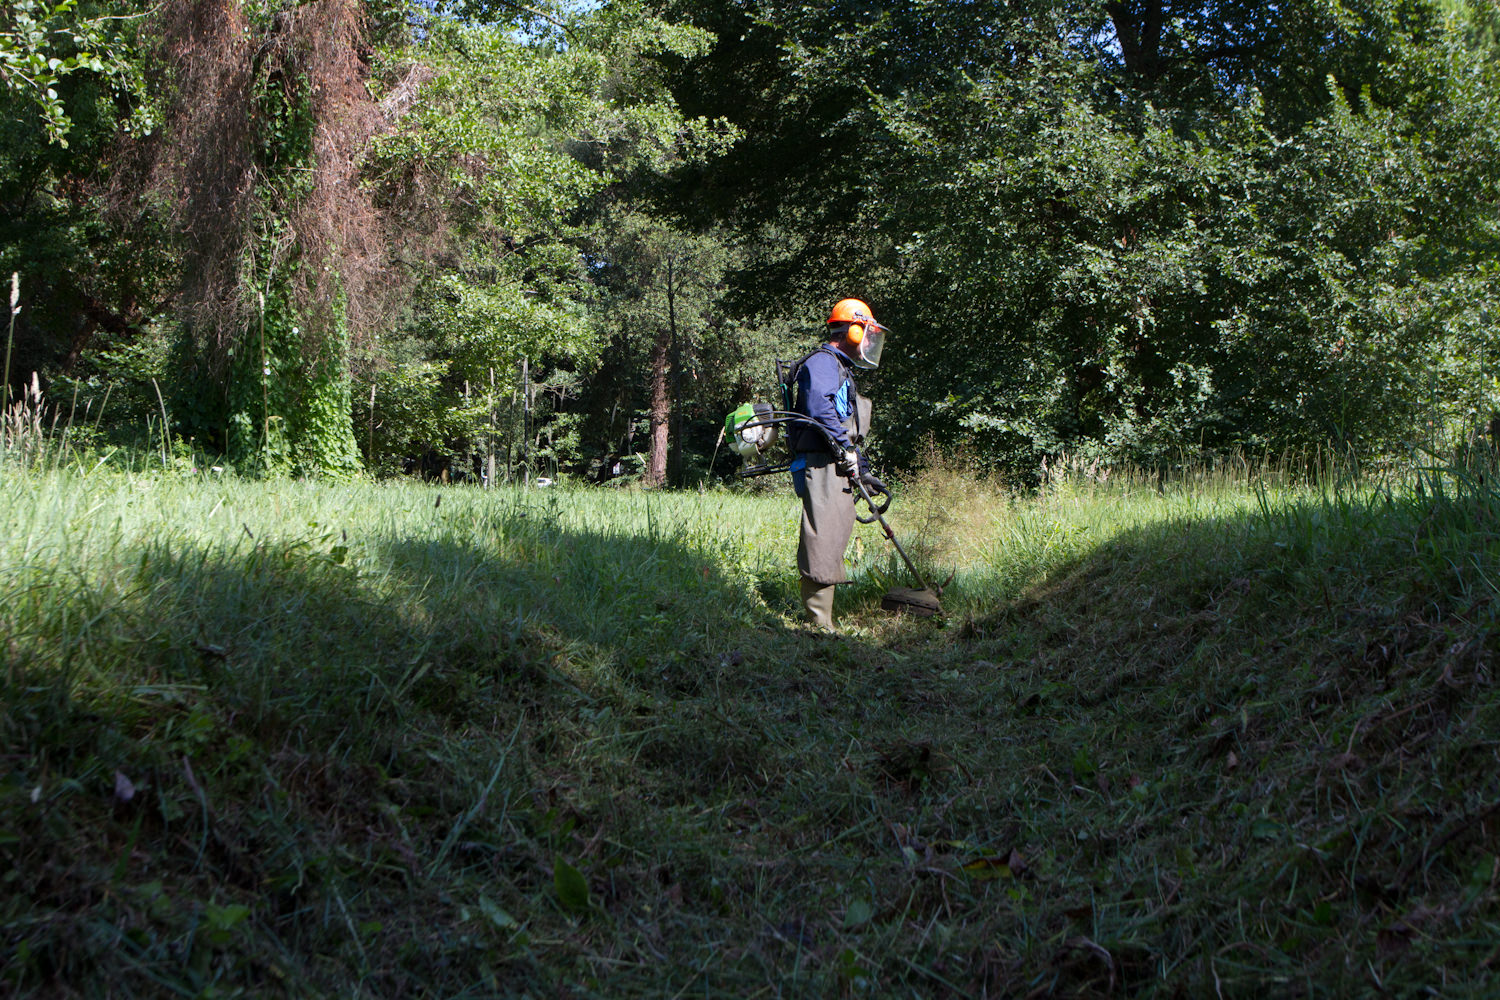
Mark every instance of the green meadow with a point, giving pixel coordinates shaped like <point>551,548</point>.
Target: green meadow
<point>1229,734</point>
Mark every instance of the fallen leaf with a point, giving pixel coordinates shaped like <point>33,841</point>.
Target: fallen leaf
<point>497,915</point>
<point>989,869</point>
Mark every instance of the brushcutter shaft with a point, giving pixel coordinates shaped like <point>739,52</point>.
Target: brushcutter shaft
<point>884,526</point>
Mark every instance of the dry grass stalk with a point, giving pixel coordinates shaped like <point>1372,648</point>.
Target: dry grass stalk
<point>21,430</point>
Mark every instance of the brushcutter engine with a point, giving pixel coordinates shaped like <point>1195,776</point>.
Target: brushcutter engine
<point>751,434</point>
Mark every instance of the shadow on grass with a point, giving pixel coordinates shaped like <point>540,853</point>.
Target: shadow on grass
<point>272,765</point>
<point>504,757</point>
<point>1266,736</point>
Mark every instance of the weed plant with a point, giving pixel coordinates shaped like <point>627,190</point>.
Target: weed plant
<point>1221,734</point>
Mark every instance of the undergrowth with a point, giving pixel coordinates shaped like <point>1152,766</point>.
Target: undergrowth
<point>1225,737</point>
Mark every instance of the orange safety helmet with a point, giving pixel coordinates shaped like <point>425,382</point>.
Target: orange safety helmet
<point>857,328</point>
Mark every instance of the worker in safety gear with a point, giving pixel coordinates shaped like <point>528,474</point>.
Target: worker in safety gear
<point>825,459</point>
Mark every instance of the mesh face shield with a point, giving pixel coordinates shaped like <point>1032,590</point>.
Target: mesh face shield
<point>868,355</point>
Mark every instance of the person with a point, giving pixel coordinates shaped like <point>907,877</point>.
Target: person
<point>826,457</point>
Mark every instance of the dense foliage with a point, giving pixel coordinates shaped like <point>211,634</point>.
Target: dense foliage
<point>567,237</point>
<point>1131,227</point>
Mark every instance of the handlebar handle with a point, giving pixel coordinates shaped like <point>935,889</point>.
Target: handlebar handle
<point>869,488</point>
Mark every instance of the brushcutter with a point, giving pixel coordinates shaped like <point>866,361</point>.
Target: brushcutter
<point>753,430</point>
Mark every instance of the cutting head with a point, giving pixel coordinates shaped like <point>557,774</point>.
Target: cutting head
<point>905,601</point>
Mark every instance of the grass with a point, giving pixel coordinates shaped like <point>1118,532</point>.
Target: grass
<point>1227,736</point>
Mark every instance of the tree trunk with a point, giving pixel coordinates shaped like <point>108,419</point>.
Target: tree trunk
<point>525,421</point>
<point>674,438</point>
<point>656,472</point>
<point>1138,26</point>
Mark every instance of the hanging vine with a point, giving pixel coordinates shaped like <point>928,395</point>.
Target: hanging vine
<point>257,165</point>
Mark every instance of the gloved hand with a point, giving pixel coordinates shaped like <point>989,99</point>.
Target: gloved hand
<point>848,463</point>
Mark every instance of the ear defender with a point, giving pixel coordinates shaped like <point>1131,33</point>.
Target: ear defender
<point>856,333</point>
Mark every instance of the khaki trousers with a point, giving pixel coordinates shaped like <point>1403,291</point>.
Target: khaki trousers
<point>827,522</point>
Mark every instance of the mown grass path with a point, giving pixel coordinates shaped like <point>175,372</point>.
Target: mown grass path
<point>281,738</point>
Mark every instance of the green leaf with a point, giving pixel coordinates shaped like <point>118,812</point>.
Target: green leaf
<point>859,913</point>
<point>1265,829</point>
<point>225,917</point>
<point>1083,764</point>
<point>220,922</point>
<point>572,887</point>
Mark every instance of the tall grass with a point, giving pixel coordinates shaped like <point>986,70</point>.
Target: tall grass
<point>1228,732</point>
<point>226,636</point>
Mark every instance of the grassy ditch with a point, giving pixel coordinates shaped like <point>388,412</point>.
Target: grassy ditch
<point>288,739</point>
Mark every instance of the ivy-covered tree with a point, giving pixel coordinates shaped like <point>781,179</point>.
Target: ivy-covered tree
<point>373,194</point>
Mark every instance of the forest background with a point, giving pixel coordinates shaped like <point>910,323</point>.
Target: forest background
<point>566,238</point>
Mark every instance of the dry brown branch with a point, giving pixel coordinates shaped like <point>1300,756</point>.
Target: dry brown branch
<point>398,102</point>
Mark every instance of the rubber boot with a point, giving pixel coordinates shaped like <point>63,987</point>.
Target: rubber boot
<point>817,603</point>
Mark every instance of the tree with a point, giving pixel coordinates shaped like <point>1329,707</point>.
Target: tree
<point>1124,228</point>
<point>67,87</point>
<point>42,44</point>
<point>662,287</point>
<point>494,185</point>
<point>345,191</point>
<point>1120,227</point>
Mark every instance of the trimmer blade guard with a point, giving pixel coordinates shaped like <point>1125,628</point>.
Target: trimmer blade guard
<point>905,601</point>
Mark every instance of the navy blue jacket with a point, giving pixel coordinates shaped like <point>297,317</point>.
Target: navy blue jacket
<point>826,393</point>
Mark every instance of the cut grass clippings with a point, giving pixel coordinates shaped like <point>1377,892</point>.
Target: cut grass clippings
<point>276,738</point>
